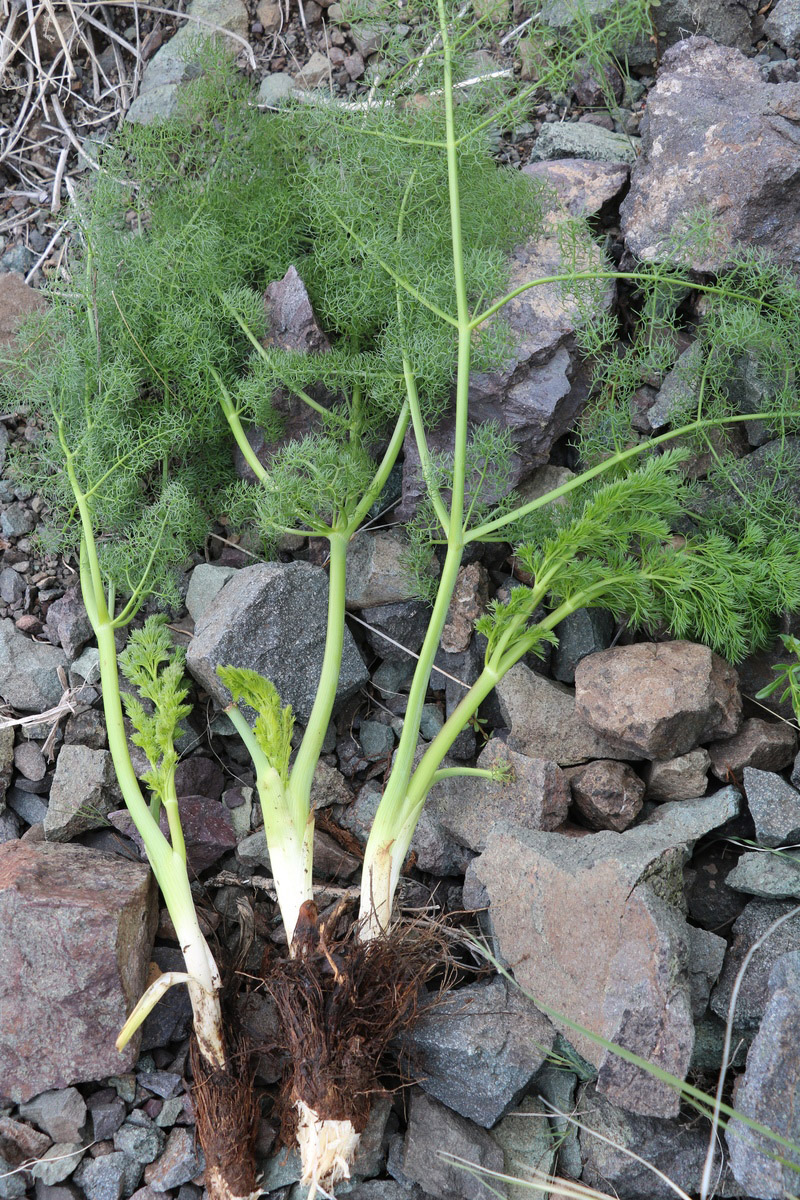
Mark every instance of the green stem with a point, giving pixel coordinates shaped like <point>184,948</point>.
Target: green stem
<point>593,275</point>
<point>458,772</point>
<point>481,531</point>
<point>302,773</point>
<point>235,425</point>
<point>383,472</point>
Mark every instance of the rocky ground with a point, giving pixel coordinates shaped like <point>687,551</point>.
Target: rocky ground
<point>623,874</point>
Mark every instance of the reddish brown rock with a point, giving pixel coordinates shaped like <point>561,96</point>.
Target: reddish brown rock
<point>591,928</point>
<point>658,700</point>
<point>607,794</point>
<point>17,301</point>
<point>765,745</point>
<point>470,598</point>
<point>76,929</point>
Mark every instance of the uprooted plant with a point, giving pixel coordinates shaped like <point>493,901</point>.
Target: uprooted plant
<point>154,356</point>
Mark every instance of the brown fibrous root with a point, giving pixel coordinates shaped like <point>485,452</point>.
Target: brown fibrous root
<point>341,1003</point>
<point>227,1123</point>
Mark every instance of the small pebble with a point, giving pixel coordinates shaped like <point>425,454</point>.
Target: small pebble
<point>29,760</point>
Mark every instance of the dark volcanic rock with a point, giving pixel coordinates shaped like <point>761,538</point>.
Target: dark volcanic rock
<point>252,621</point>
<point>716,135</point>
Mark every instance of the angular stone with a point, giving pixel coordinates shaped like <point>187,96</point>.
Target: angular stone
<point>783,25</point>
<point>770,876</point>
<point>583,632</point>
<point>434,1131</point>
<point>141,1140</point>
<point>753,923</point>
<point>6,761</point>
<point>658,699</point>
<point>706,956</point>
<point>207,829</point>
<point>767,1091</point>
<point>765,745</point>
<point>83,793</point>
<point>577,139</point>
<point>171,1019</point>
<point>29,761</point>
<point>176,61</point>
<point>376,570</point>
<point>715,134</point>
<point>622,969</point>
<point>180,1162</point>
<point>109,1177</point>
<point>73,923</point>
<point>529,1146</point>
<point>292,323</point>
<point>607,794</point>
<point>774,806</point>
<point>20,1141</point>
<point>470,597</point>
<point>478,1050</point>
<point>682,778</point>
<point>582,186</point>
<point>678,1150</point>
<point>535,796</point>
<point>405,623</point>
<point>543,722</point>
<point>107,1118</point>
<point>68,624</point>
<point>206,580</point>
<point>317,71</point>
<point>57,1164</point>
<point>28,670</point>
<point>12,586</point>
<point>60,1113</point>
<point>272,619</point>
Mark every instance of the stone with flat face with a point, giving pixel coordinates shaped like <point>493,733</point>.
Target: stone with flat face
<point>76,929</point>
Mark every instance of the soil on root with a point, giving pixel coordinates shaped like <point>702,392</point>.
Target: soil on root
<point>228,1115</point>
<point>341,1003</point>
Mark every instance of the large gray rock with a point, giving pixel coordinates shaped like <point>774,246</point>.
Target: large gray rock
<point>535,796</point>
<point>479,1049</point>
<point>591,927</point>
<point>752,925</point>
<point>83,793</point>
<point>76,929</point>
<point>768,1089</point>
<point>28,671</point>
<point>61,1113</point>
<point>658,699</point>
<point>774,806</point>
<point>434,1131</point>
<point>543,722</point>
<point>716,135</point>
<point>272,618</point>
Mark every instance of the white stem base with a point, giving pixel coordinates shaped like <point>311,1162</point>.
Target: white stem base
<point>327,1150</point>
<point>217,1187</point>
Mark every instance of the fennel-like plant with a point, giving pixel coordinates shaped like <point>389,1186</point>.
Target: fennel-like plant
<point>153,360</point>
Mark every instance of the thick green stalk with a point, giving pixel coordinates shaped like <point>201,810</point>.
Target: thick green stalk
<point>302,773</point>
<point>380,857</point>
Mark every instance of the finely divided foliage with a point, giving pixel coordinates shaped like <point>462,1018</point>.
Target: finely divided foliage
<point>153,362</point>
